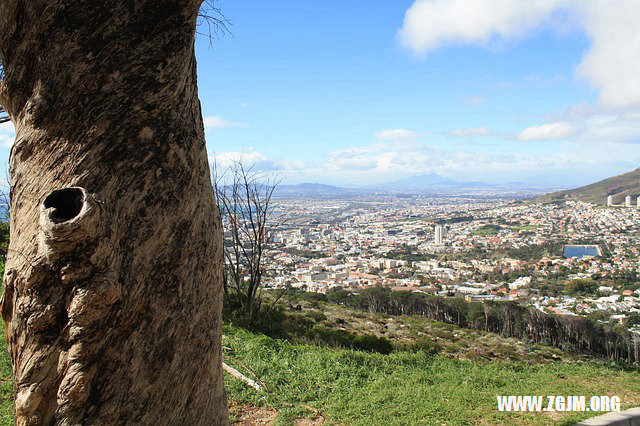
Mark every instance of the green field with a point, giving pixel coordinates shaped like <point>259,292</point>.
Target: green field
<point>487,230</point>
<point>524,227</point>
<point>354,387</point>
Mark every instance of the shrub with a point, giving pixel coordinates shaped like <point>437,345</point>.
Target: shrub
<point>372,343</point>
<point>427,345</point>
<point>341,339</point>
<point>316,316</point>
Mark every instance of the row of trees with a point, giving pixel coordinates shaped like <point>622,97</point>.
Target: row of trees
<point>509,319</point>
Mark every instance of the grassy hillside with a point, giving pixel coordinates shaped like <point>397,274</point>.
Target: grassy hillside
<point>618,186</point>
<point>324,323</point>
<point>436,373</point>
<point>355,387</point>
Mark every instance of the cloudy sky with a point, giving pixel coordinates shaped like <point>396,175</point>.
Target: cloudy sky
<point>367,91</point>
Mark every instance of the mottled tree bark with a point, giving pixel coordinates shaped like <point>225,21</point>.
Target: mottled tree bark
<point>112,294</point>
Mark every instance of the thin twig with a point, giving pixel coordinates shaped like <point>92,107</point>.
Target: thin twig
<point>217,24</point>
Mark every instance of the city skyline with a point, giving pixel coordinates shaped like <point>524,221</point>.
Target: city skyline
<point>365,93</point>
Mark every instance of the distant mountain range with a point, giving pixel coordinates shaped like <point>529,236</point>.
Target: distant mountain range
<point>311,189</point>
<point>419,184</point>
<point>432,181</point>
<point>619,186</point>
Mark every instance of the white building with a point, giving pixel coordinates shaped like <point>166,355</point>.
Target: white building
<point>439,234</point>
<point>426,265</point>
<point>520,282</point>
<point>627,201</point>
<point>610,200</point>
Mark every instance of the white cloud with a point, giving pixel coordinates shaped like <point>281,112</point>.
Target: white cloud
<point>226,159</point>
<point>7,127</point>
<point>571,162</point>
<point>358,163</point>
<point>611,65</point>
<point>358,150</point>
<point>632,116</point>
<point>613,62</point>
<point>598,124</point>
<point>610,129</point>
<point>6,141</point>
<point>256,160</point>
<point>472,100</point>
<point>217,122</point>
<point>7,134</point>
<point>476,131</point>
<point>429,24</point>
<point>396,135</point>
<point>557,130</point>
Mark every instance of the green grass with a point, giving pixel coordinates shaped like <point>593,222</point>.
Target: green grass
<point>525,227</point>
<point>487,230</point>
<point>6,384</point>
<point>354,387</point>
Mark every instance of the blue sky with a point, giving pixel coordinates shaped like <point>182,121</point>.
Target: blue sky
<point>360,92</point>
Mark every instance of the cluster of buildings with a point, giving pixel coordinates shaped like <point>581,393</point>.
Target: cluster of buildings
<point>461,247</point>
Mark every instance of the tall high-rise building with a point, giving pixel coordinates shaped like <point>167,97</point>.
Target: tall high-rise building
<point>638,202</point>
<point>627,201</point>
<point>610,200</point>
<point>439,234</point>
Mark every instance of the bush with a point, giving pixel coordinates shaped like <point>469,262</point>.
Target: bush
<point>316,297</point>
<point>372,343</point>
<point>316,316</point>
<point>341,339</point>
<point>269,320</point>
<point>427,345</point>
<point>584,287</point>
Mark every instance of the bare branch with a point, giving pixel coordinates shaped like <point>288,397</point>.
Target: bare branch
<point>211,16</point>
<point>244,198</point>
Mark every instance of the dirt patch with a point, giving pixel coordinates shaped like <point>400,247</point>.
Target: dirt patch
<point>247,415</point>
<point>309,422</point>
<point>316,420</point>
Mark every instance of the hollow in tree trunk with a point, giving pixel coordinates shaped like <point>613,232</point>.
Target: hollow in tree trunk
<point>112,293</point>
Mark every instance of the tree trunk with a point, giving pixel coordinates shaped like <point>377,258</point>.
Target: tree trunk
<point>112,296</point>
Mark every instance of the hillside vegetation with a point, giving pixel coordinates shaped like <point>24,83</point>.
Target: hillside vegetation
<point>330,363</point>
<point>619,186</point>
<point>336,326</point>
<point>570,334</point>
<point>405,387</point>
